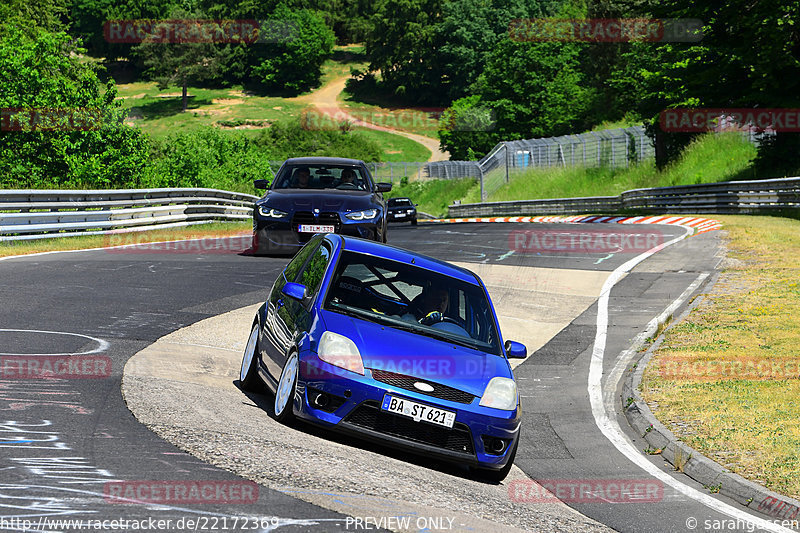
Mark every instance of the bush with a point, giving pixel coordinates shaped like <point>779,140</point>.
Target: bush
<point>44,76</point>
<point>292,140</point>
<point>208,158</point>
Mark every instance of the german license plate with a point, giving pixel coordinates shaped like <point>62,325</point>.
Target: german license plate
<point>418,411</point>
<point>315,228</point>
<point>400,215</point>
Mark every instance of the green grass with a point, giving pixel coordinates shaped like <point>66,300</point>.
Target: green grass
<point>215,229</point>
<point>160,115</point>
<point>709,159</point>
<point>433,196</point>
<point>749,421</point>
<point>395,147</point>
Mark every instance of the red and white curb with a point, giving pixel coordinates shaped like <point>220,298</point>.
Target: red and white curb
<point>699,224</point>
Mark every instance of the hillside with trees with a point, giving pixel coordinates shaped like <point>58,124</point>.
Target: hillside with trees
<point>465,56</point>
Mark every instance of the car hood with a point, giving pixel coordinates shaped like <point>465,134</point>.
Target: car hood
<point>291,200</point>
<point>419,356</point>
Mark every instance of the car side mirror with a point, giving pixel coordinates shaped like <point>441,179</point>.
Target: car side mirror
<point>261,184</point>
<point>296,291</point>
<point>383,187</point>
<point>516,350</point>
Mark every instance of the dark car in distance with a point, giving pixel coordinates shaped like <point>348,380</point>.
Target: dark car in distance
<point>312,195</point>
<point>402,210</point>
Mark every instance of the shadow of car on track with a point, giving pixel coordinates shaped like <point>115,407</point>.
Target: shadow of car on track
<point>265,402</point>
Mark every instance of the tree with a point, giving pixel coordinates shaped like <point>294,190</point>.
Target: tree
<point>465,129</point>
<point>749,57</point>
<point>469,31</point>
<point>172,59</point>
<point>531,90</point>
<point>60,127</point>
<point>404,46</point>
<point>292,56</point>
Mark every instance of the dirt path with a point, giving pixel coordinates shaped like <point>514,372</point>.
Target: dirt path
<point>325,100</point>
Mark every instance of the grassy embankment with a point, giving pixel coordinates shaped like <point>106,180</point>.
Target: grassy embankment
<point>726,379</point>
<point>158,113</point>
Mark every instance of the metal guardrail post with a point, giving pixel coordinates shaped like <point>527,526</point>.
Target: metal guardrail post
<point>507,161</point>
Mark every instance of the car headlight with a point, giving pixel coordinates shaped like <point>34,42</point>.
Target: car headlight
<point>363,215</point>
<point>409,211</point>
<point>340,351</point>
<point>268,212</point>
<point>500,393</point>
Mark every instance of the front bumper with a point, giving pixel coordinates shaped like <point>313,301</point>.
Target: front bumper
<point>400,216</point>
<point>356,402</point>
<point>282,236</point>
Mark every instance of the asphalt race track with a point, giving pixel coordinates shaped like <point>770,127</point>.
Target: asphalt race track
<point>64,443</point>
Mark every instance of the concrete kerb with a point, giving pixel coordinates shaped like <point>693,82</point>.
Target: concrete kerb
<point>684,458</point>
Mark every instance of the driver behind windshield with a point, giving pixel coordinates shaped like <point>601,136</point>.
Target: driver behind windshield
<point>302,176</point>
<point>429,307</point>
<point>348,176</point>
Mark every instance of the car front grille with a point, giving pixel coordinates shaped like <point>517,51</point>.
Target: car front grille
<point>369,415</point>
<point>440,391</point>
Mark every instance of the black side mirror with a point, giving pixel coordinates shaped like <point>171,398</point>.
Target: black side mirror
<point>383,187</point>
<point>261,184</point>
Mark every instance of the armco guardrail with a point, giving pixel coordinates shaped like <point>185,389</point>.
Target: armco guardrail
<point>38,214</point>
<point>730,197</point>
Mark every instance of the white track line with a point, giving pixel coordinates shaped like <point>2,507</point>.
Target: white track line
<point>101,344</point>
<point>609,426</point>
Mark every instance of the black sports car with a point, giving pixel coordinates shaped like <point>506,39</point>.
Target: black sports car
<point>402,210</point>
<point>318,195</point>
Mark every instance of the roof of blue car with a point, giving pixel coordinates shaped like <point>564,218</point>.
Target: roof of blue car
<point>355,244</point>
<point>323,161</point>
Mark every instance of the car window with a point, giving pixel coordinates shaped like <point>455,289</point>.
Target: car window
<point>293,268</point>
<point>314,270</point>
<point>404,296</point>
<point>340,177</point>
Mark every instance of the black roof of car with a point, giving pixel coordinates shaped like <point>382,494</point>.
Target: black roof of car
<point>323,161</point>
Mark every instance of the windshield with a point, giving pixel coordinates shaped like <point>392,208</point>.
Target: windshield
<point>395,202</point>
<point>415,299</point>
<point>342,177</point>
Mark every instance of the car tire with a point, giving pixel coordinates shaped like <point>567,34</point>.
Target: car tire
<point>413,221</point>
<point>284,392</point>
<point>249,379</point>
<point>496,476</point>
<point>383,235</point>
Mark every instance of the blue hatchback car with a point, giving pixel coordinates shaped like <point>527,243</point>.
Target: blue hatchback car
<point>390,345</point>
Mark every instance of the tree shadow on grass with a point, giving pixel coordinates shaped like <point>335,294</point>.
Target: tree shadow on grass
<point>168,106</point>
